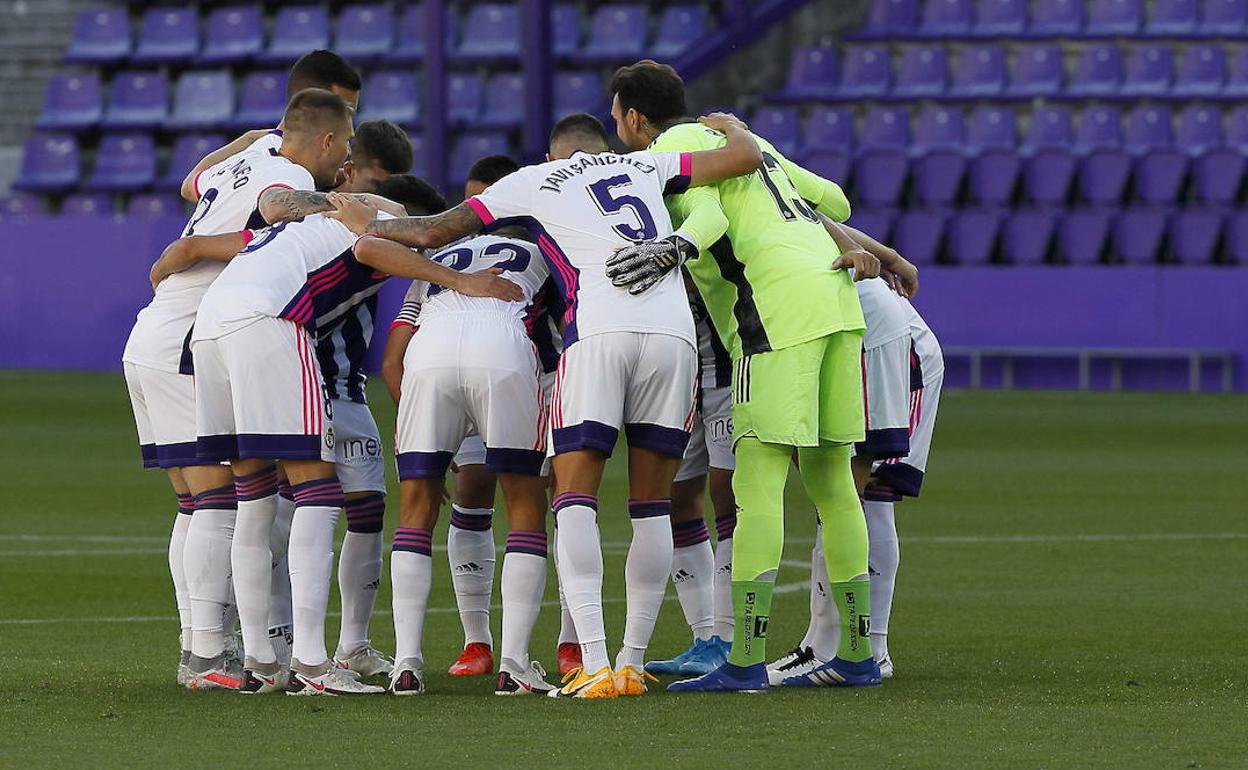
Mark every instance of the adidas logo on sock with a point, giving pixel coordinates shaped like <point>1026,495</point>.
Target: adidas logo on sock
<point>681,576</point>
<point>467,568</point>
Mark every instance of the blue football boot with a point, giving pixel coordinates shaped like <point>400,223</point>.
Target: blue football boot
<point>726,678</point>
<point>838,673</point>
<point>705,656</point>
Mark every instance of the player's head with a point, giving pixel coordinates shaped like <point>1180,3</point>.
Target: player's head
<point>378,149</point>
<point>486,172</point>
<point>646,98</point>
<point>327,70</point>
<point>413,193</point>
<point>317,134</point>
<point>578,132</point>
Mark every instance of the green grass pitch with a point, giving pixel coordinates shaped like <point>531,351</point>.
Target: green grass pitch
<point>1073,592</point>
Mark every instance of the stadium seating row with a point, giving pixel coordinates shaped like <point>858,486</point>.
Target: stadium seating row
<point>898,19</point>
<point>1025,71</point>
<point>373,31</point>
<point>205,99</point>
<point>25,205</point>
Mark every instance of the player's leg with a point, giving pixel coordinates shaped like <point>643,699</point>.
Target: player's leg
<point>411,576</point>
<point>717,406</point>
<point>281,614</point>
<point>470,551</point>
<point>693,564</point>
<point>523,582</point>
<point>251,558</point>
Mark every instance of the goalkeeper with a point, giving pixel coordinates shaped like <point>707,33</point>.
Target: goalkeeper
<point>779,293</point>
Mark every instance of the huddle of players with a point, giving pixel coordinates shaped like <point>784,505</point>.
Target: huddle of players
<point>277,338</point>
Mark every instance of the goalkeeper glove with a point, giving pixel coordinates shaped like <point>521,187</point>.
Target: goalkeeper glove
<point>642,265</point>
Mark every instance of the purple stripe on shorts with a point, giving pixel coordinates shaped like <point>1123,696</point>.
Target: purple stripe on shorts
<point>184,455</point>
<point>365,514</point>
<point>276,446</point>
<point>585,435</point>
<point>320,492</point>
<point>664,440</point>
<point>148,453</point>
<point>186,503</point>
<point>413,540</point>
<point>216,449</point>
<point>218,499</point>
<point>906,480</point>
<point>424,465</point>
<point>573,498</point>
<point>880,493</point>
<point>472,523</point>
<point>884,443</point>
<point>523,462</point>
<point>256,486</point>
<point>533,543</point>
<point>688,533</point>
<point>647,509</point>
<point>724,526</point>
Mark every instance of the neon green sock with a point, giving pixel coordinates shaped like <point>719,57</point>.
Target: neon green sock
<point>853,604</point>
<point>751,603</point>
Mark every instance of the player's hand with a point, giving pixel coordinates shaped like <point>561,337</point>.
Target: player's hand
<point>901,275</point>
<point>722,121</point>
<point>357,215</point>
<point>487,283</point>
<point>864,264</point>
<point>642,265</point>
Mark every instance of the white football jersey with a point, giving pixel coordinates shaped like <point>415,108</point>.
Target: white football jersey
<point>229,194</point>
<point>581,210</point>
<point>305,272</point>
<point>926,346</point>
<point>520,262</point>
<point>885,312</point>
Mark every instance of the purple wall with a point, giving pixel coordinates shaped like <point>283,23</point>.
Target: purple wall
<point>69,293</point>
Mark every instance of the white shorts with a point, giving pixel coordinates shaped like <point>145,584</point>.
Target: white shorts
<point>357,448</point>
<point>887,395</point>
<point>903,476</point>
<point>259,395</point>
<point>710,443</point>
<point>164,414</point>
<point>472,451</point>
<point>467,372</point>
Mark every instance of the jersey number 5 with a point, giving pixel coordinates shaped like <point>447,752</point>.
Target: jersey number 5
<point>609,203</point>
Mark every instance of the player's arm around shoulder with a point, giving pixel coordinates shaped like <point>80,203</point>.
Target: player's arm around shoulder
<point>189,189</point>
<point>739,156</point>
<point>186,252</point>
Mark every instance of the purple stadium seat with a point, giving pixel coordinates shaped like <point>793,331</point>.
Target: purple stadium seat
<point>1049,166</point>
<point>1194,234</point>
<point>493,32</point>
<point>565,28</point>
<point>1224,17</point>
<point>296,31</point>
<point>463,96</point>
<point>779,126</point>
<point>1237,237</point>
<point>680,26</point>
<point>124,163</point>
<point>234,34</point>
<point>813,73</point>
<point>1218,172</point>
<point>992,128</point>
<point>1082,235</point>
<point>167,35</point>
<point>1200,129</point>
<point>918,234</point>
<point>1037,71</point>
<point>877,223</point>
<point>1026,236</point>
<point>1150,69</point>
<point>153,205</point>
<point>262,100</point>
<point>991,136</point>
<point>1202,71</point>
<point>1160,167</point>
<point>504,101</point>
<point>617,31</point>
<point>945,17</point>
<point>88,205</point>
<point>1237,74</point>
<point>471,147</point>
<point>1000,17</point>
<point>20,205</point>
<point>101,36</point>
<point>1103,167</point>
<point>1138,232</point>
<point>922,71</point>
<point>890,18</point>
<point>364,32</point>
<point>881,164</point>
<point>828,140</point>
<point>1050,127</point>
<point>188,149</point>
<point>979,70</point>
<point>73,102</point>
<point>409,45</point>
<point>1173,17</point>
<point>1098,71</point>
<point>866,71</point>
<point>203,99</point>
<point>1055,18</point>
<point>49,163</point>
<point>940,163</point>
<point>392,95</point>
<point>972,236</point>
<point>577,92</point>
<point>137,100</point>
<point>1114,17</point>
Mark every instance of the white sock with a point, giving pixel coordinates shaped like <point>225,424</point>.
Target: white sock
<point>693,573</point>
<point>470,551</point>
<point>579,561</point>
<point>645,576</point>
<point>311,557</point>
<point>567,629</point>
<point>251,561</point>
<point>177,547</point>
<point>725,621</point>
<point>359,569</point>
<point>524,584</point>
<point>281,617</point>
<point>206,562</point>
<point>411,576</point>
<point>824,632</point>
<point>885,555</point>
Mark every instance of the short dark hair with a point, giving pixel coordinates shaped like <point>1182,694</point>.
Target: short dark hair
<point>322,69</point>
<point>653,89</point>
<point>580,124</point>
<point>315,110</point>
<point>384,142</point>
<point>492,168</point>
<point>417,196</point>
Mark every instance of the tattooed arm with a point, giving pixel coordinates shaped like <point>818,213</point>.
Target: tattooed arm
<point>282,204</point>
<point>421,232</point>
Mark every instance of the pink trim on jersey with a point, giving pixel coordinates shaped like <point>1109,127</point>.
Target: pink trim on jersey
<point>477,206</point>
<point>195,181</point>
<point>692,417</point>
<point>248,236</point>
<point>686,164</point>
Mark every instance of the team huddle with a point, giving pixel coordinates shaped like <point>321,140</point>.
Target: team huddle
<point>699,293</point>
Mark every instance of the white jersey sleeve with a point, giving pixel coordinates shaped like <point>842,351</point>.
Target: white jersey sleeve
<point>674,169</point>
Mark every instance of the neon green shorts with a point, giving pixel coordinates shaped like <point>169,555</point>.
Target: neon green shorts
<point>804,395</point>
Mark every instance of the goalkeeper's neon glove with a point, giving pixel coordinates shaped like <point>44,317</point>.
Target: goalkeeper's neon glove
<point>642,265</point>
